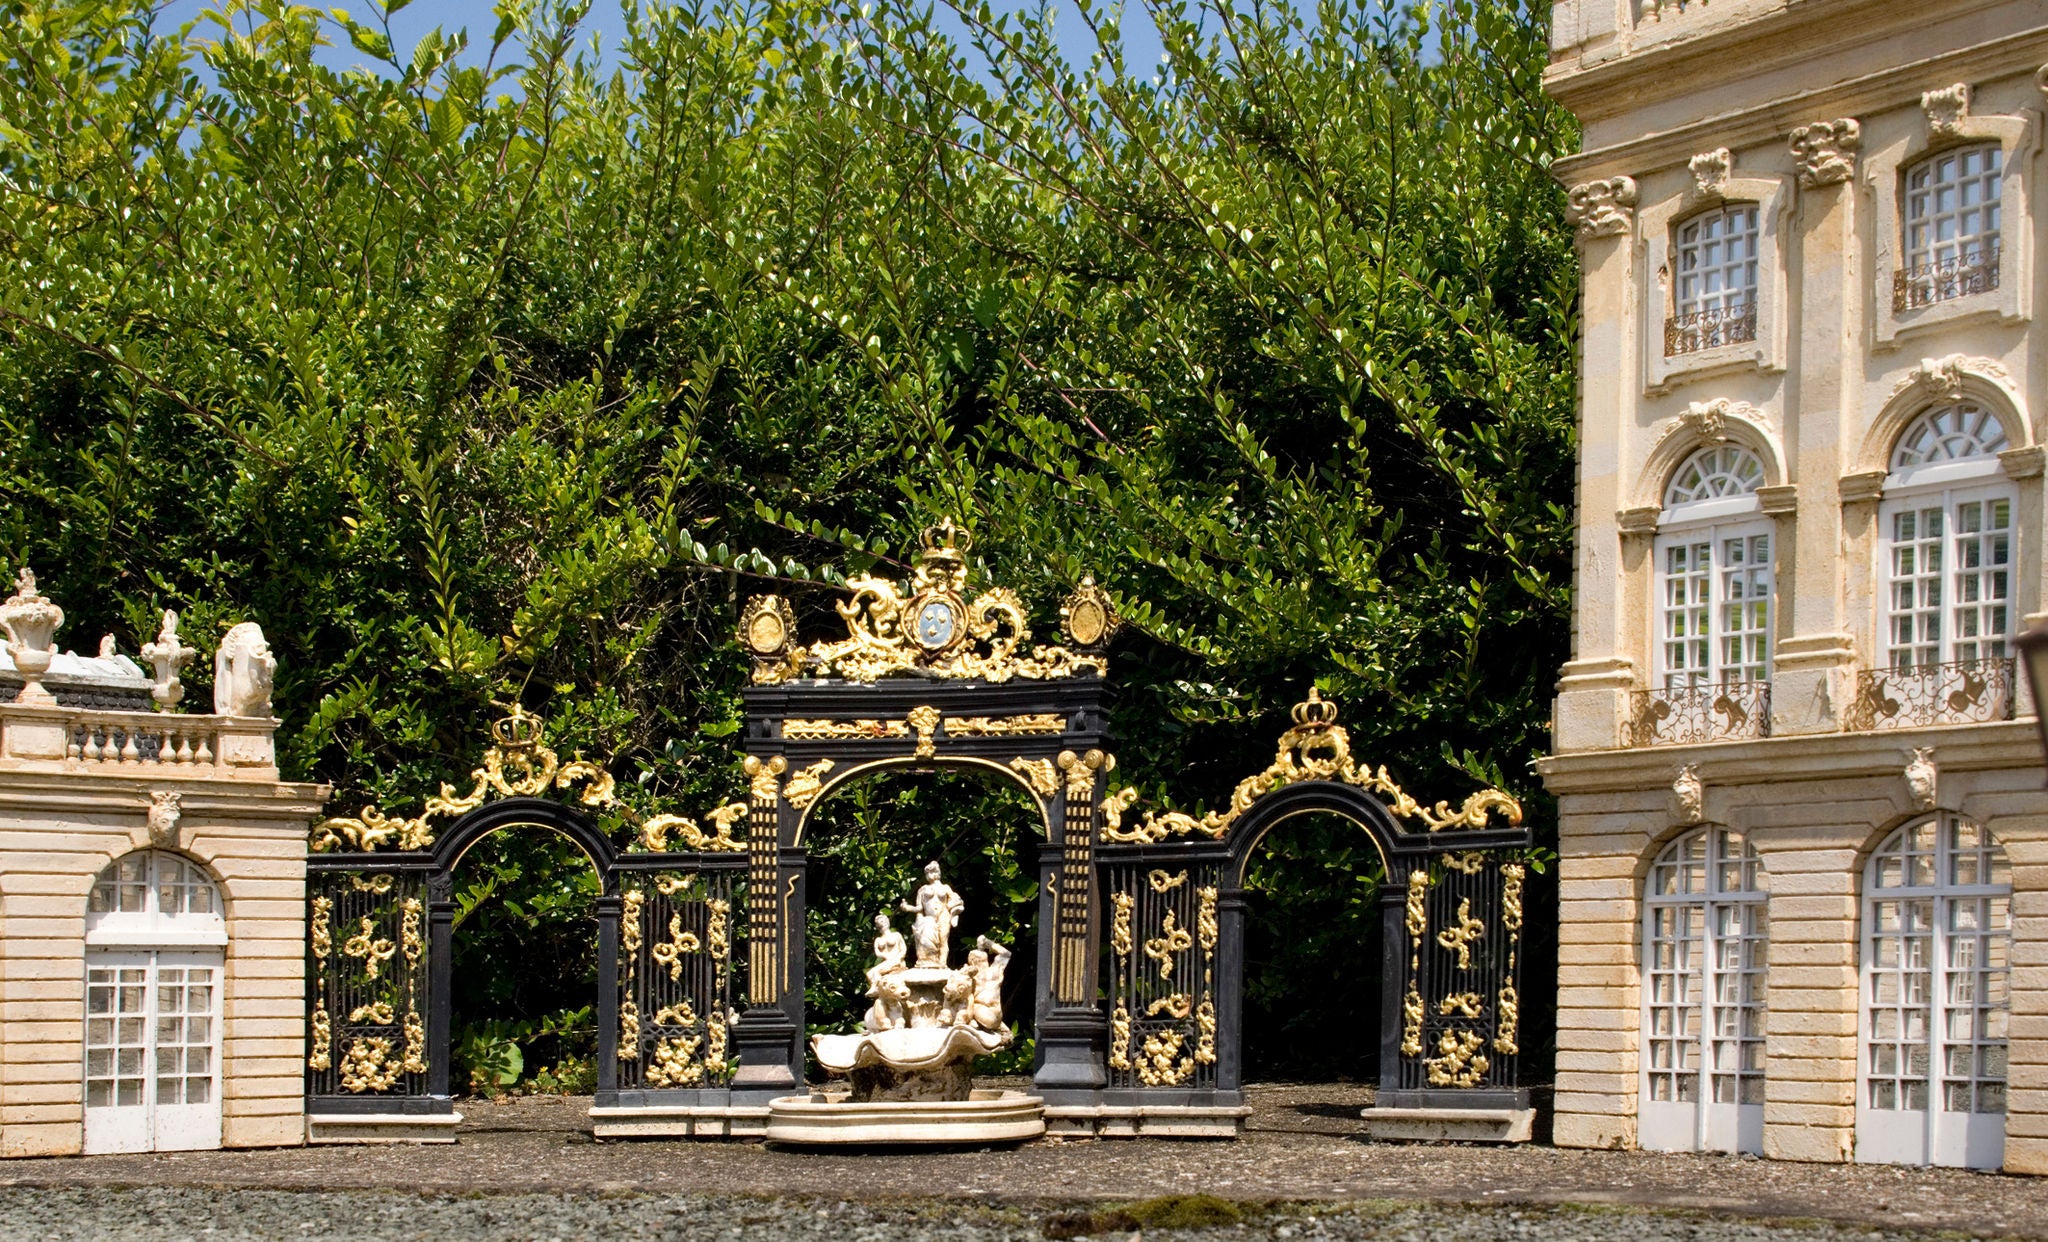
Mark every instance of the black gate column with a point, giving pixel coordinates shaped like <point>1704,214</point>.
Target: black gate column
<point>440,982</point>
<point>608,909</point>
<point>767,1036</point>
<point>1074,1038</point>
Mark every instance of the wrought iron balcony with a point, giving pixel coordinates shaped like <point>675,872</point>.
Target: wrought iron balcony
<point>1914,287</point>
<point>1961,692</point>
<point>1705,712</point>
<point>1697,330</point>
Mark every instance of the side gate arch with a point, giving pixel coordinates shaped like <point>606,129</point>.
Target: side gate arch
<point>379,965</point>
<point>1452,914</point>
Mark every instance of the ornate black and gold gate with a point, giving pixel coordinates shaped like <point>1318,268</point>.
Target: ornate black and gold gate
<point>1452,912</point>
<point>1141,937</point>
<point>381,910</point>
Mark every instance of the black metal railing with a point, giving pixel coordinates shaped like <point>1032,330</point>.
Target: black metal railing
<point>1959,692</point>
<point>1974,272</point>
<point>1706,712</point>
<point>1697,330</point>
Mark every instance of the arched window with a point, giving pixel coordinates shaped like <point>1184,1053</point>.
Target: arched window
<point>1952,226</point>
<point>1704,947</point>
<point>1936,929</point>
<point>1948,527</point>
<point>1714,572</point>
<point>1714,289</point>
<point>153,972</point>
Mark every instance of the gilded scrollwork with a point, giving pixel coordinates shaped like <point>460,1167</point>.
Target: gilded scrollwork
<point>719,911</point>
<point>518,764</point>
<point>1172,939</point>
<point>323,1039</point>
<point>1176,1005</point>
<point>1165,882</point>
<point>1160,1063</point>
<point>1205,918</point>
<point>764,777</point>
<point>1120,923</point>
<point>1416,917</point>
<point>1458,938</point>
<point>629,924</point>
<point>1509,1007</point>
<point>1120,1038</point>
<point>1318,748</point>
<point>365,1066</point>
<point>1039,774</point>
<point>804,787</point>
<point>411,943</point>
<point>1411,1023</point>
<point>674,1062</point>
<point>322,932</point>
<point>1464,1004</point>
<point>377,1013</point>
<point>629,1031</point>
<point>924,721</point>
<point>378,884</point>
<point>1035,724</point>
<point>1511,896</point>
<point>1459,1061</point>
<point>927,628</point>
<point>714,1042</point>
<point>842,730</point>
<point>415,1044</point>
<point>373,951</point>
<point>1465,862</point>
<point>670,952</point>
<point>1205,1028</point>
<point>654,833</point>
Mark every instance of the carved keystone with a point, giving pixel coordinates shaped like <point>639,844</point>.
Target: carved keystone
<point>1601,208</point>
<point>1826,151</point>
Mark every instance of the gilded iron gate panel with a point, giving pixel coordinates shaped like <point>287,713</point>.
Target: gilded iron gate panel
<point>366,971</point>
<point>678,977</point>
<point>1162,974</point>
<point>1461,968</point>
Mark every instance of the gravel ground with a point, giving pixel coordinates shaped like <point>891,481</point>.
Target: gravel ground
<point>144,1215</point>
<point>530,1169</point>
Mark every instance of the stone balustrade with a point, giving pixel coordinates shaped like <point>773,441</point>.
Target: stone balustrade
<point>160,743</point>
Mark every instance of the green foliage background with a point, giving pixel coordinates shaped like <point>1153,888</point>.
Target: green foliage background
<point>480,384</point>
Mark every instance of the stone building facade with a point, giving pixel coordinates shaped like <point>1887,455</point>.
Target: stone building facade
<point>1804,836</point>
<point>152,903</point>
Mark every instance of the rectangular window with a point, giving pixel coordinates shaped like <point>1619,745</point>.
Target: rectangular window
<point>1715,295</point>
<point>1949,588</point>
<point>1952,224</point>
<point>1715,606</point>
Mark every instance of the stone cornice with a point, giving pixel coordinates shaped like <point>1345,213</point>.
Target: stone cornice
<point>1792,760</point>
<point>1770,121</point>
<point>35,786</point>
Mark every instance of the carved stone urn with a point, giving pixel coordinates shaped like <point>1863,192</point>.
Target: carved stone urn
<point>31,620</point>
<point>169,657</point>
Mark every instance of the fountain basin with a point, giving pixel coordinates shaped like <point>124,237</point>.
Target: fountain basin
<point>833,1117</point>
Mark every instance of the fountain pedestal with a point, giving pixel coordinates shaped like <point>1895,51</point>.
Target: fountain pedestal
<point>911,1070</point>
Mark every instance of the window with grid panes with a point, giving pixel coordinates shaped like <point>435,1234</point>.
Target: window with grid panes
<point>1714,572</point>
<point>1948,523</point>
<point>1937,929</point>
<point>1704,962</point>
<point>1952,208</point>
<point>1716,258</point>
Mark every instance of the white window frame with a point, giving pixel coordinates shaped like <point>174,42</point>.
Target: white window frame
<point>1934,1135</point>
<point>1884,180</point>
<point>1659,222</point>
<point>1727,918</point>
<point>153,926</point>
<point>1946,484</point>
<point>1712,521</point>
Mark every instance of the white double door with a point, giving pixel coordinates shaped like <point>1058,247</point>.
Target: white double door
<point>152,1050</point>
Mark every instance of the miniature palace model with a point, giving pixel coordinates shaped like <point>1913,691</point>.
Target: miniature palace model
<point>1140,953</point>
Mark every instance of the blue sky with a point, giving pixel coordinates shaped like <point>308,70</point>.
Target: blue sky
<point>605,24</point>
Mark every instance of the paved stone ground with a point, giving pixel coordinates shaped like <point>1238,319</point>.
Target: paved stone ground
<point>541,1176</point>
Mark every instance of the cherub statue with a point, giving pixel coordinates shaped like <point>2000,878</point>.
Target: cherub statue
<point>889,951</point>
<point>986,964</point>
<point>937,908</point>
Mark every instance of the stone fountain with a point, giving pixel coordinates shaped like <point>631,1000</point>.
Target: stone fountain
<point>910,1069</point>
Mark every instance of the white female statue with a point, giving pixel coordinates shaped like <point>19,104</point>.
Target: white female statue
<point>937,908</point>
<point>889,951</point>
